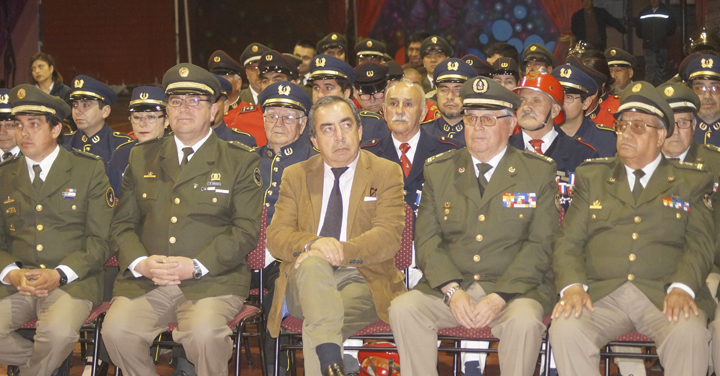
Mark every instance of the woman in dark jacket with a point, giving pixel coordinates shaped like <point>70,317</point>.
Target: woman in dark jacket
<point>46,77</point>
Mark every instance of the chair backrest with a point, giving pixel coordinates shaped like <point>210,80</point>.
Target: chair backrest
<point>403,258</point>
<point>256,258</point>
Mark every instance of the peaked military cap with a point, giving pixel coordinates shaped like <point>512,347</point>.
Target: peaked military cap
<point>680,97</point>
<point>84,87</point>
<point>704,67</point>
<point>225,85</point>
<point>5,107</point>
<point>252,53</point>
<point>617,57</point>
<point>273,61</point>
<point>683,73</point>
<point>598,77</point>
<point>222,63</point>
<point>370,47</point>
<point>395,71</point>
<point>574,80</point>
<point>453,70</point>
<point>332,40</point>
<point>370,77</point>
<point>387,58</point>
<point>188,78</point>
<point>435,43</point>
<point>293,59</point>
<point>484,93</point>
<point>27,99</point>
<point>482,67</point>
<point>506,65</point>
<point>537,51</point>
<point>285,94</point>
<point>147,98</point>
<point>641,96</point>
<point>329,67</point>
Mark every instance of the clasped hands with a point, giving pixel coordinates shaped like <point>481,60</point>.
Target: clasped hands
<point>472,316</point>
<point>166,270</point>
<point>34,282</point>
<point>328,248</point>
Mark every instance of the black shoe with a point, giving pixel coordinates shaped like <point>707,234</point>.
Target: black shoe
<point>334,370</point>
<point>13,371</point>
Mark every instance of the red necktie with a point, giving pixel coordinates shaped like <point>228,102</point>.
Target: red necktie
<point>404,161</point>
<point>537,145</point>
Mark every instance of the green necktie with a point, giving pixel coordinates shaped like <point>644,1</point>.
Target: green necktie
<point>637,188</point>
<point>482,182</point>
<point>186,154</point>
<point>37,182</point>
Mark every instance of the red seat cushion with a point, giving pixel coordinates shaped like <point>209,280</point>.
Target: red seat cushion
<point>97,311</point>
<point>246,311</point>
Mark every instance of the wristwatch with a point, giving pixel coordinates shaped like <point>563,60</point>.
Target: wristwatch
<point>63,277</point>
<point>197,272</point>
<point>450,293</point>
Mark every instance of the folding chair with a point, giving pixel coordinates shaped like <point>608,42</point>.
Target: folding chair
<point>632,339</point>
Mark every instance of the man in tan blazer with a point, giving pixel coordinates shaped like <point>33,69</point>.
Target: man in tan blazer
<point>336,228</point>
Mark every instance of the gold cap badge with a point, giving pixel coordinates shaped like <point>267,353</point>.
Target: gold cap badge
<point>469,61</point>
<point>369,43</point>
<point>4,99</point>
<point>636,88</point>
<point>144,95</point>
<point>613,52</point>
<point>254,48</point>
<point>434,39</point>
<point>21,94</point>
<point>369,73</point>
<point>480,86</point>
<point>334,37</point>
<point>284,90</point>
<point>216,59</point>
<point>453,66</point>
<point>79,83</point>
<point>184,72</point>
<point>268,57</point>
<point>320,62</point>
<point>706,63</point>
<point>669,91</point>
<point>565,72</point>
<point>533,48</point>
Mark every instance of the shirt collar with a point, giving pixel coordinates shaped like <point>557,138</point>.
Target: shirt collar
<point>45,164</point>
<point>548,139</point>
<point>254,95</point>
<point>195,147</point>
<point>413,141</point>
<point>494,162</point>
<point>350,171</point>
<point>648,169</point>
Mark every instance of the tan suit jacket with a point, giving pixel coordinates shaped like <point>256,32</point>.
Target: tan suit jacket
<point>374,226</point>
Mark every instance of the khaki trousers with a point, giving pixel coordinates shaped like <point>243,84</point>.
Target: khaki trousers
<point>333,304</point>
<point>715,332</point>
<point>60,317</point>
<point>415,319</point>
<point>131,325</point>
<point>683,346</point>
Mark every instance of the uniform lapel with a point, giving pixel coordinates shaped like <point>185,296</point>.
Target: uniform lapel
<point>169,159</point>
<point>503,176</point>
<point>465,179</point>
<point>59,174</point>
<point>424,151</point>
<point>363,172</point>
<point>618,186</point>
<point>21,180</point>
<point>692,154</point>
<point>201,162</point>
<point>315,176</point>
<point>660,181</point>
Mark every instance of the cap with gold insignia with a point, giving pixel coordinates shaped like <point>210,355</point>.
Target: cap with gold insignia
<point>273,61</point>
<point>27,99</point>
<point>453,70</point>
<point>484,93</point>
<point>395,71</point>
<point>370,77</point>
<point>435,43</point>
<point>293,59</point>
<point>617,57</point>
<point>329,67</point>
<point>506,66</point>
<point>252,53</point>
<point>370,47</point>
<point>147,98</point>
<point>482,67</point>
<point>84,87</point>
<point>5,107</point>
<point>538,52</point>
<point>680,97</point>
<point>683,73</point>
<point>704,67</point>
<point>598,77</point>
<point>641,96</point>
<point>222,63</point>
<point>188,78</point>
<point>225,85</point>
<point>285,94</point>
<point>332,40</point>
<point>574,80</point>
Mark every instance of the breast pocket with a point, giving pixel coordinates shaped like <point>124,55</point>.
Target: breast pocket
<point>146,196</point>
<point>215,198</point>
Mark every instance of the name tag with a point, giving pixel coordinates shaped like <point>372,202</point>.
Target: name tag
<point>223,191</point>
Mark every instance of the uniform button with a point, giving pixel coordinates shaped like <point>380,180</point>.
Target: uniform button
<point>632,257</point>
<point>177,201</point>
<point>214,200</point>
<point>144,195</point>
<point>479,238</point>
<point>447,211</point>
<point>594,216</point>
<point>404,192</point>
<point>173,219</point>
<point>476,258</point>
<point>635,235</point>
<point>269,193</point>
<point>631,277</point>
<point>267,204</point>
<point>172,240</point>
<point>638,219</point>
<point>74,207</point>
<point>678,215</point>
<point>275,169</point>
<point>39,247</point>
<point>40,227</point>
<point>445,218</point>
<point>38,208</point>
<point>42,266</point>
<point>521,216</point>
<point>274,184</point>
<point>481,218</point>
<point>477,277</point>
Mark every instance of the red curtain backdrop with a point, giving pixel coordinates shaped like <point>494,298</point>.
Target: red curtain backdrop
<point>368,12</point>
<point>561,12</point>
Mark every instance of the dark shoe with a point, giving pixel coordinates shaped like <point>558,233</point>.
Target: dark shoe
<point>334,370</point>
<point>472,368</point>
<point>13,371</point>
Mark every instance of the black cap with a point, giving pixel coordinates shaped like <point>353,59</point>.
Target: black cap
<point>370,47</point>
<point>252,53</point>
<point>273,61</point>
<point>225,85</point>
<point>484,93</point>
<point>5,107</point>
<point>599,78</point>
<point>395,71</point>
<point>482,67</point>
<point>222,63</point>
<point>683,67</point>
<point>537,51</point>
<point>704,67</point>
<point>370,77</point>
<point>147,98</point>
<point>453,70</point>
<point>332,40</point>
<point>84,87</point>
<point>188,78</point>
<point>435,43</point>
<point>680,97</point>
<point>329,67</point>
<point>620,58</point>
<point>506,65</point>
<point>285,94</point>
<point>27,99</point>
<point>293,59</point>
<point>642,97</point>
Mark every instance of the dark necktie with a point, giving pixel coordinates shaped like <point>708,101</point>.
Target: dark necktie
<point>37,182</point>
<point>7,155</point>
<point>334,211</point>
<point>186,154</point>
<point>637,188</point>
<point>537,145</point>
<point>482,182</point>
<point>404,160</point>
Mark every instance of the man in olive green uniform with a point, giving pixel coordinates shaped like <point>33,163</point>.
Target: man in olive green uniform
<point>478,270</point>
<point>189,216</point>
<point>635,248</point>
<point>54,228</point>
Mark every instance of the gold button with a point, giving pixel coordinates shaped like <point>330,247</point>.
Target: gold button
<point>172,240</point>
<point>678,215</point>
<point>521,216</point>
<point>144,195</point>
<point>476,258</point>
<point>42,266</point>
<point>38,208</point>
<point>269,193</point>
<point>74,207</point>
<point>39,247</point>
<point>274,184</point>
<point>214,200</point>
<point>631,277</point>
<point>267,204</point>
<point>632,257</point>
<point>40,227</point>
<point>638,219</point>
<point>481,218</point>
<point>447,211</point>
<point>479,238</point>
<point>173,219</point>
<point>445,218</point>
<point>635,235</point>
<point>275,169</point>
<point>594,216</point>
<point>177,201</point>
<point>477,277</point>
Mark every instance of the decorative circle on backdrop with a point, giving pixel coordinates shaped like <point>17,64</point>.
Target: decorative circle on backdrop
<point>520,12</point>
<point>533,39</point>
<point>502,30</point>
<point>483,38</point>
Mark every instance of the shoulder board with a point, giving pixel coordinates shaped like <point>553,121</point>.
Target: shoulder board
<point>240,132</point>
<point>584,143</point>
<point>447,140</point>
<point>604,127</point>
<point>369,143</point>
<point>85,154</point>
<point>430,93</point>
<point>712,147</point>
<point>248,108</point>
<point>241,146</point>
<point>541,157</point>
<point>440,157</point>
<point>689,165</point>
<point>69,133</point>
<point>429,121</point>
<point>369,114</point>
<point>606,160</point>
<point>10,160</point>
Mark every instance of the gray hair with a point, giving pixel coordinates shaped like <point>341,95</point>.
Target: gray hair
<point>407,82</point>
<point>329,101</point>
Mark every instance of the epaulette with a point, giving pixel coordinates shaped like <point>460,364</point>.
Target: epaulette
<point>241,146</point>
<point>689,165</point>
<point>585,143</point>
<point>712,147</point>
<point>85,154</point>
<point>249,108</point>
<point>127,138</point>
<point>447,140</point>
<point>541,157</point>
<point>9,160</point>
<point>429,121</point>
<point>604,127</point>
<point>369,143</point>
<point>241,132</point>
<point>440,157</point>
<point>430,93</point>
<point>69,133</point>
<point>605,160</point>
<point>369,114</point>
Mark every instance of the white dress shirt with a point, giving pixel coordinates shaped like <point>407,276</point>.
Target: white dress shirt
<point>346,180</point>
<point>413,142</point>
<point>548,139</point>
<point>255,95</point>
<point>494,161</point>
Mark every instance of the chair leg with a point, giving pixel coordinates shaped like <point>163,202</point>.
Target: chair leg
<point>607,362</point>
<point>96,344</point>
<point>548,354</point>
<point>291,361</point>
<point>247,349</point>
<point>276,362</point>
<point>456,359</point>
<point>238,351</point>
<point>118,371</point>
<point>261,343</point>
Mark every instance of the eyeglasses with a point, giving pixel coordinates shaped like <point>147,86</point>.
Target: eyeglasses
<point>150,119</point>
<point>485,120</point>
<point>683,124</point>
<point>189,101</point>
<point>570,98</point>
<point>378,95</point>
<point>287,119</point>
<point>700,89</point>
<point>637,126</point>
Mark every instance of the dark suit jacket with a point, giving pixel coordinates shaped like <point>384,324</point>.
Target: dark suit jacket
<point>567,152</point>
<point>374,226</point>
<point>604,19</point>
